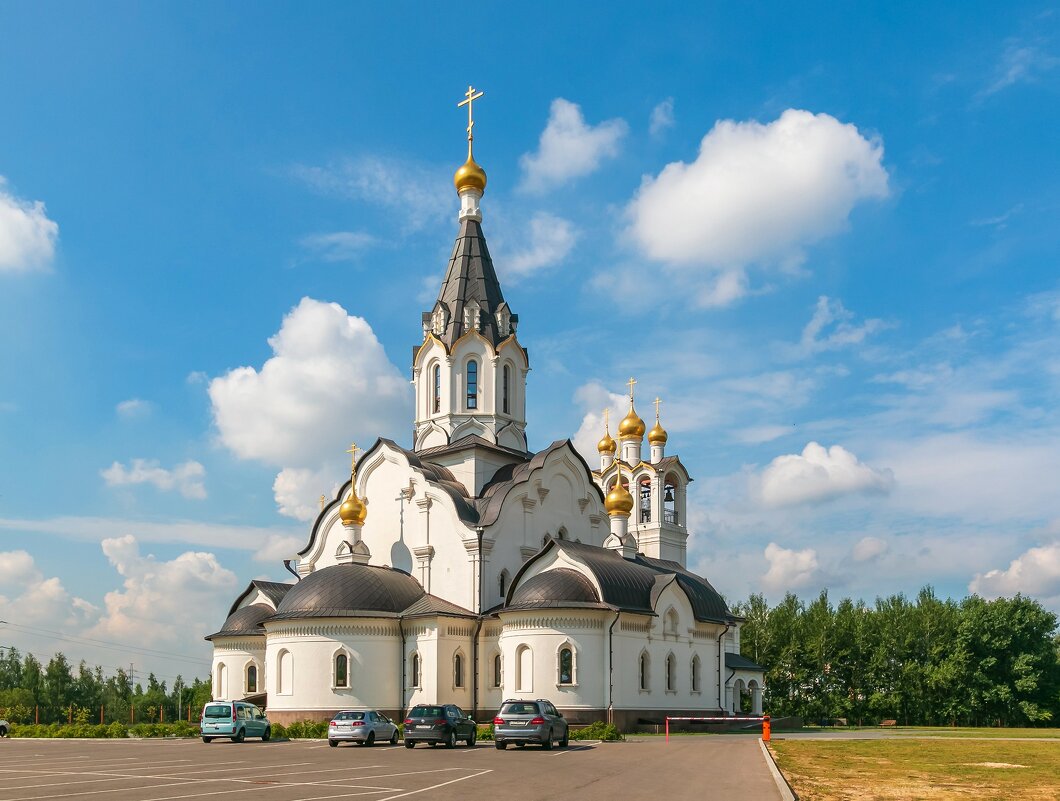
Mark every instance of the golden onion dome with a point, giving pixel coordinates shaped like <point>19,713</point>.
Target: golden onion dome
<point>470,176</point>
<point>631,426</point>
<point>353,511</point>
<point>618,501</point>
<point>657,435</point>
<point>606,444</point>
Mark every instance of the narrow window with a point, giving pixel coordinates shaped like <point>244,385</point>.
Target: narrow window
<point>472,384</point>
<point>252,679</point>
<point>342,665</point>
<point>507,384</point>
<point>503,582</point>
<point>436,402</point>
<point>415,670</point>
<point>695,674</point>
<point>524,666</point>
<point>566,666</point>
<point>497,670</point>
<point>670,673</point>
<point>644,671</point>
<point>458,671</point>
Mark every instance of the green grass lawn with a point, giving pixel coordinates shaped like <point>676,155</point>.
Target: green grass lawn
<point>908,768</point>
<point>936,731</point>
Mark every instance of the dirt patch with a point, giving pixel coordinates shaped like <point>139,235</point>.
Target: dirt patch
<point>993,765</point>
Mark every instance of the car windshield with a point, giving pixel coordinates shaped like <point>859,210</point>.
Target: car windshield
<point>218,711</point>
<point>519,709</point>
<point>350,716</point>
<point>427,712</point>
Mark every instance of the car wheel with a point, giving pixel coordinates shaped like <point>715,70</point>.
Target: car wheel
<point>566,739</point>
<point>238,736</point>
<point>267,735</point>
<point>520,745</point>
<point>499,745</point>
<point>547,744</point>
<point>371,739</point>
<point>410,743</point>
<point>3,731</point>
<point>207,739</point>
<point>472,738</point>
<point>394,738</point>
<point>431,743</point>
<point>333,743</point>
<point>450,739</point>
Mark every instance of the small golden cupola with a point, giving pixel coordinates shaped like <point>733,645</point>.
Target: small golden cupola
<point>657,435</point>
<point>631,427</point>
<point>470,176</point>
<point>353,510</point>
<point>606,445</point>
<point>618,503</point>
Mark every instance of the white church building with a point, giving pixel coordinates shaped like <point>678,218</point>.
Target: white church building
<point>469,570</point>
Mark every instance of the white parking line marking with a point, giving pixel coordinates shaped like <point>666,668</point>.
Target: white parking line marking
<point>410,792</point>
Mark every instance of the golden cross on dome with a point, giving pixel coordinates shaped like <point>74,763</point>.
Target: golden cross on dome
<point>657,402</point>
<point>353,456</point>
<point>631,382</point>
<point>472,95</point>
<point>323,501</point>
<point>607,413</point>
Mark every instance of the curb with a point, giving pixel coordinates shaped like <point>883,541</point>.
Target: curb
<point>786,793</point>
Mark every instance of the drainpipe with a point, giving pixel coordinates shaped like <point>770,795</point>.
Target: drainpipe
<point>721,659</point>
<point>611,669</point>
<point>478,628</point>
<point>401,701</point>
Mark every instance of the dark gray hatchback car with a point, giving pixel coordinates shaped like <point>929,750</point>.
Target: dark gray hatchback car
<point>522,722</point>
<point>438,723</point>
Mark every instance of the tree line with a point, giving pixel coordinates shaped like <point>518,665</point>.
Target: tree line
<point>926,661</point>
<point>58,693</point>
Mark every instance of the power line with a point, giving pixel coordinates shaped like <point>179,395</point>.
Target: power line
<point>112,646</point>
<point>110,668</point>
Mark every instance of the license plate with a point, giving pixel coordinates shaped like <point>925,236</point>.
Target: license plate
<point>428,726</point>
<point>518,722</point>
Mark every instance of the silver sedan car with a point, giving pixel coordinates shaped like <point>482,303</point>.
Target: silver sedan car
<point>366,728</point>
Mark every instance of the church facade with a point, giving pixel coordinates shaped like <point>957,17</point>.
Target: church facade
<point>468,569</point>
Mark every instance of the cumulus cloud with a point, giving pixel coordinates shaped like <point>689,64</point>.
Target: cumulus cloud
<point>328,382</point>
<point>756,194</point>
<point>186,477</point>
<point>569,147</point>
<point>548,241</point>
<point>756,435</point>
<point>294,490</point>
<point>594,398</point>
<point>1036,572</point>
<point>193,588</point>
<point>133,408</point>
<point>831,328</point>
<point>338,245</point>
<point>27,236</point>
<point>420,194</point>
<point>28,598</point>
<point>818,474</point>
<point>869,548</point>
<point>789,569</point>
<point>662,117</point>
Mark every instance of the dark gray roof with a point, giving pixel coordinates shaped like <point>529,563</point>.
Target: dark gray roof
<point>560,588</point>
<point>633,585</point>
<point>350,590</point>
<point>469,442</point>
<point>471,278</point>
<point>245,621</point>
<point>273,590</point>
<point>433,605</point>
<point>737,662</point>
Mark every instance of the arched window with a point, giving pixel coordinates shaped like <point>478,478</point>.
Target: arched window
<point>695,674</point>
<point>507,382</point>
<point>436,381</point>
<point>524,669</point>
<point>670,499</point>
<point>497,670</point>
<point>671,671</point>
<point>472,384</point>
<point>502,581</point>
<point>671,622</point>
<point>458,670</point>
<point>645,499</point>
<point>415,670</point>
<point>342,670</point>
<point>566,665</point>
<point>221,690</point>
<point>645,667</point>
<point>284,673</point>
<point>252,679</point>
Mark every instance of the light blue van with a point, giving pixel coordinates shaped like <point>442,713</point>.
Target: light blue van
<point>236,720</point>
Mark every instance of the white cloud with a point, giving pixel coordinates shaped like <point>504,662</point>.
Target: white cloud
<point>788,569</point>
<point>594,398</point>
<point>662,117</point>
<point>1020,63</point>
<point>193,588</point>
<point>328,382</point>
<point>28,598</point>
<point>755,435</point>
<point>756,194</point>
<point>27,236</point>
<point>186,477</point>
<point>133,408</point>
<point>569,148</point>
<point>818,474</point>
<point>869,548</point>
<point>294,490</point>
<point>338,245</point>
<point>420,194</point>
<point>187,532</point>
<point>550,239</point>
<point>830,327</point>
<point>1035,572</point>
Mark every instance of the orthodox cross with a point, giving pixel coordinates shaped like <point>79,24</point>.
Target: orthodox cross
<point>472,95</point>
<point>323,501</point>
<point>657,402</point>
<point>607,413</point>
<point>353,457</point>
<point>631,382</point>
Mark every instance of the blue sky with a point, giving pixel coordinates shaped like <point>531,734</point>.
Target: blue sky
<point>825,237</point>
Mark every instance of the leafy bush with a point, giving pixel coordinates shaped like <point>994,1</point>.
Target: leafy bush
<point>308,730</point>
<point>485,732</point>
<point>597,730</point>
<point>278,730</point>
<point>83,730</point>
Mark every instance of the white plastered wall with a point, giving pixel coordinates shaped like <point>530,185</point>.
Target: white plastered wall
<point>236,653</point>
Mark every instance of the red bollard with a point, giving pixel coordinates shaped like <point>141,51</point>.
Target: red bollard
<point>765,729</point>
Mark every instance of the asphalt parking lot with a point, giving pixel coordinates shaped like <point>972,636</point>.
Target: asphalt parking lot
<point>730,768</point>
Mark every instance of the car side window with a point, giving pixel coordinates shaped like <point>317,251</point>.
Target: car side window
<point>371,717</point>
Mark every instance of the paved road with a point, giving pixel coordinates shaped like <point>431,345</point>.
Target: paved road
<point>729,768</point>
